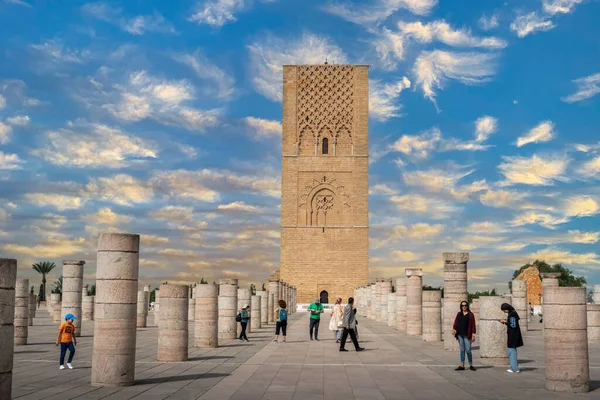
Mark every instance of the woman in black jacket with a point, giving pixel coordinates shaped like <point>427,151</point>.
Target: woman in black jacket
<point>513,332</point>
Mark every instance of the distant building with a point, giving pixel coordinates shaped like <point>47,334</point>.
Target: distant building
<point>534,284</point>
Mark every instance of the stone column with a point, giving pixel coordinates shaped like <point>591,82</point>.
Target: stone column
<point>49,304</point>
<point>401,304</point>
<point>72,288</point>
<point>84,291</point>
<point>492,334</point>
<point>273,288</point>
<point>280,290</point>
<point>593,323</point>
<point>117,270</point>
<point>377,308</point>
<point>549,279</point>
<point>596,295</point>
<point>227,308</point>
<point>475,307</point>
<point>432,315</point>
<point>157,307</point>
<point>455,291</point>
<point>565,339</point>
<point>56,308</point>
<point>264,306</point>
<point>293,308</point>
<point>141,312</point>
<point>519,301</point>
<point>87,308</point>
<point>206,321</point>
<point>286,290</point>
<point>255,314</point>
<point>192,306</point>
<point>414,300</point>
<point>366,309</point>
<point>31,313</point>
<point>391,314</point>
<point>173,327</point>
<point>386,289</point>
<point>244,298</point>
<point>147,290</point>
<point>8,277</point>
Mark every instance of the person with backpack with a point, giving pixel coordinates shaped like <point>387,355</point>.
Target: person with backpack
<point>243,318</point>
<point>281,323</point>
<point>514,337</point>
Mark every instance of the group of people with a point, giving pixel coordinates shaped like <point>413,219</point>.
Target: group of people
<point>464,330</point>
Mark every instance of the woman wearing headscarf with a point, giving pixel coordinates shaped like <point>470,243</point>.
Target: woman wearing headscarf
<point>513,331</point>
<point>337,316</point>
<point>464,330</point>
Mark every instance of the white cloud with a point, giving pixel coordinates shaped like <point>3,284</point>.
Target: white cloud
<point>59,201</point>
<point>486,23</point>
<point>484,127</point>
<point>419,146</point>
<point>94,146</point>
<point>378,10</point>
<point>174,214</point>
<point>55,51</point>
<point>591,168</point>
<point>501,198</point>
<point>442,31</point>
<point>120,189</point>
<point>530,23</point>
<point>433,68</point>
<point>418,204</point>
<point>405,256</point>
<point>10,161</point>
<point>268,56</point>
<point>263,128</point>
<point>534,170</point>
<point>444,181</point>
<point>137,25</point>
<point>18,120</point>
<point>217,13</point>
<point>54,246</point>
<point>383,99</point>
<point>106,216</point>
<point>183,184</point>
<point>534,217</point>
<point>18,3</point>
<point>543,132</point>
<point>5,131</point>
<point>187,150</point>
<point>580,206</point>
<point>382,189</point>
<point>390,48</point>
<point>559,6</point>
<point>238,206</point>
<point>418,231</point>
<point>146,96</point>
<point>207,71</point>
<point>587,87</point>
<point>554,255</point>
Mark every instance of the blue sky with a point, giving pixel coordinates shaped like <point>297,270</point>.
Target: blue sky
<point>164,119</point>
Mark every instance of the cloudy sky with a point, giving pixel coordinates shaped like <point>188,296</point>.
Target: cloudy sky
<point>165,120</point>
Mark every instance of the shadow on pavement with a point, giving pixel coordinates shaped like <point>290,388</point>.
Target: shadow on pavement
<point>178,378</point>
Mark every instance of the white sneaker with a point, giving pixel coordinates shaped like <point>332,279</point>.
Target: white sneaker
<point>510,371</point>
<point>61,367</point>
<point>69,365</point>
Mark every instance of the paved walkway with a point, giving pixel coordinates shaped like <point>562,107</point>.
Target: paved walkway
<point>393,367</point>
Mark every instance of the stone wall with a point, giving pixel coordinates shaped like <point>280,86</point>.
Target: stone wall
<point>534,284</point>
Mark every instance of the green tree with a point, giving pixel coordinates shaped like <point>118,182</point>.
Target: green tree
<point>427,287</point>
<point>263,287</point>
<point>476,295</point>
<point>203,281</point>
<point>153,296</point>
<point>92,290</point>
<point>31,291</point>
<point>43,268</point>
<point>58,286</point>
<point>252,289</point>
<point>566,275</point>
<point>590,296</point>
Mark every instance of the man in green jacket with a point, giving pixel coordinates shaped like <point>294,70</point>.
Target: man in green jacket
<point>315,309</point>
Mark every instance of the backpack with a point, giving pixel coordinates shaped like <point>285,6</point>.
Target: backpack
<point>283,315</point>
<point>238,318</point>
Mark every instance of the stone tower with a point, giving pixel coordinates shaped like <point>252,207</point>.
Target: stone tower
<point>325,171</point>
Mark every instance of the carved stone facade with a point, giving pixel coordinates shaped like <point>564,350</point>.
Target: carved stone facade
<point>534,284</point>
<point>324,206</point>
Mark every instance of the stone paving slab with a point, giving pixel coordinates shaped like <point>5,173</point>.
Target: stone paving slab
<point>394,366</point>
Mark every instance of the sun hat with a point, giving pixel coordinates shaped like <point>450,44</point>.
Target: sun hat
<point>246,306</point>
<point>70,316</point>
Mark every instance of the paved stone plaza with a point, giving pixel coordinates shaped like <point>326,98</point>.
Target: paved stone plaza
<point>394,366</point>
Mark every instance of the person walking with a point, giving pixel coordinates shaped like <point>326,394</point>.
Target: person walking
<point>67,340</point>
<point>337,316</point>
<point>315,309</point>
<point>281,323</point>
<point>464,330</point>
<point>349,324</point>
<point>244,317</point>
<point>514,337</point>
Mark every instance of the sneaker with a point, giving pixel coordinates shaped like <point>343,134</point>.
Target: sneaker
<point>61,367</point>
<point>240,340</point>
<point>316,339</point>
<point>460,368</point>
<point>472,368</point>
<point>275,341</point>
<point>510,371</point>
<point>69,365</point>
<point>283,341</point>
<point>517,371</point>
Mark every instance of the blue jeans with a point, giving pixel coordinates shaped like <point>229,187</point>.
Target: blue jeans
<point>63,352</point>
<point>512,357</point>
<point>314,325</point>
<point>465,347</point>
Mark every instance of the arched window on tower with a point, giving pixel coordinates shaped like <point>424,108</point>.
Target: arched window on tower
<point>325,146</point>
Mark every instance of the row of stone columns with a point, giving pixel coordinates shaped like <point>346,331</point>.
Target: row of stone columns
<point>280,290</point>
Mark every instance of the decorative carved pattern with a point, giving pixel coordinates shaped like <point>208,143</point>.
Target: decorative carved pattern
<point>325,102</point>
<point>319,202</point>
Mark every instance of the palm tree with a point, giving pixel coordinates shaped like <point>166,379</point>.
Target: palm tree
<point>44,268</point>
<point>58,286</point>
